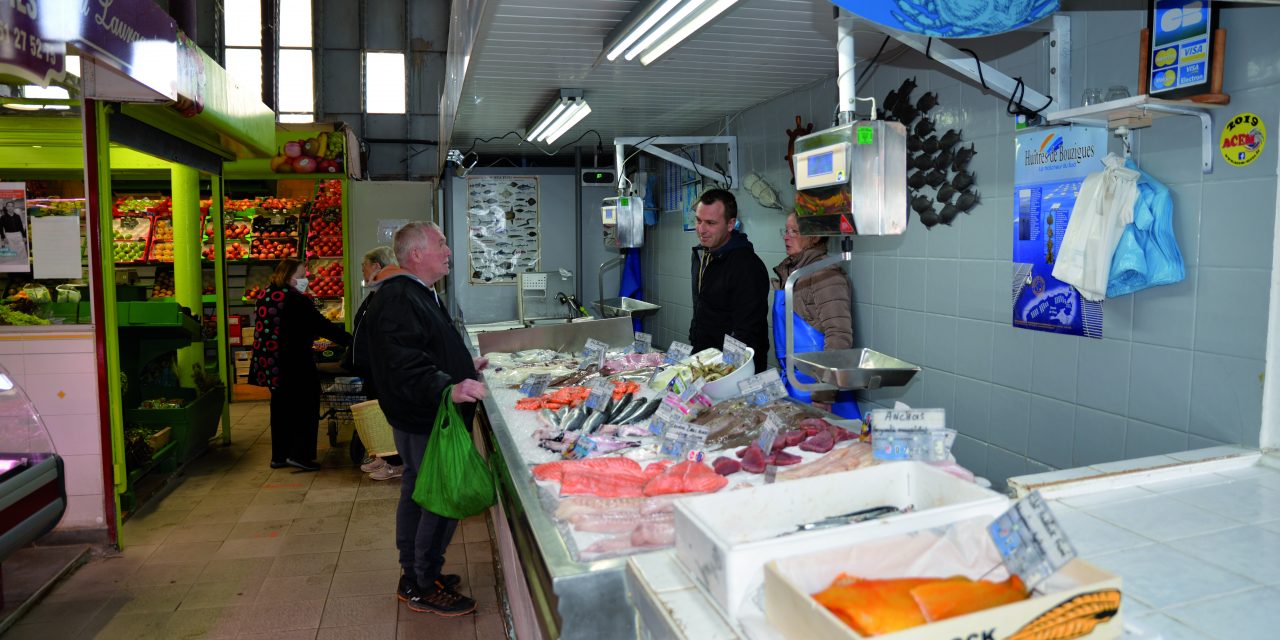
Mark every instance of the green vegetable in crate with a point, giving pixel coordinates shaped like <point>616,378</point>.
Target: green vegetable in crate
<point>11,316</point>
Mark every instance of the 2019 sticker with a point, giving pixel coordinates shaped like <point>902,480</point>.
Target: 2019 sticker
<point>1242,139</point>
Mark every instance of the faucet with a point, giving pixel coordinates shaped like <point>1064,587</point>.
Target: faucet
<point>607,264</point>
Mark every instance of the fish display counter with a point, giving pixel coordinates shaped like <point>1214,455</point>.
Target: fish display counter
<point>33,494</point>
<point>565,526</point>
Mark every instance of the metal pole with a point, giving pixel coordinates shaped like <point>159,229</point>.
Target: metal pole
<point>846,65</point>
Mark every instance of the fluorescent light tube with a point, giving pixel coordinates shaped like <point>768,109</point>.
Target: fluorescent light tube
<point>570,118</point>
<point>686,30</point>
<point>670,23</point>
<point>640,29</point>
<point>546,121</point>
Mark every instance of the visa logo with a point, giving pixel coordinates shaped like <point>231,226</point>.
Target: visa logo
<point>1194,51</point>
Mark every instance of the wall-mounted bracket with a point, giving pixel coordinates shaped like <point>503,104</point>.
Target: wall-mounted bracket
<point>651,146</point>
<point>1138,112</point>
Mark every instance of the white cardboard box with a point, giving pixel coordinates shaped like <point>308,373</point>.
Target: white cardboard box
<point>725,539</point>
<point>1076,598</point>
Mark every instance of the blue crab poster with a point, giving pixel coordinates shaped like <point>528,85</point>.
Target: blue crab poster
<point>1049,167</point>
<point>951,18</point>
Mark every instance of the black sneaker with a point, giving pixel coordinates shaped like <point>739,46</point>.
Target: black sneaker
<point>278,465</point>
<point>442,601</point>
<point>409,587</point>
<point>305,465</point>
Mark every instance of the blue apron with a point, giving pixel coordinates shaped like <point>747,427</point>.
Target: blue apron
<point>807,339</point>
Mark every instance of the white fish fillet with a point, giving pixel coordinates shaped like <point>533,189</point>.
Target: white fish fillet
<point>848,458</point>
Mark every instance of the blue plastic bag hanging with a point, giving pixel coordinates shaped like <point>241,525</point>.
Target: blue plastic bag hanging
<point>1147,254</point>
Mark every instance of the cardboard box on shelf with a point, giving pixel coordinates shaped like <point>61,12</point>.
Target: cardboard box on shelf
<point>233,330</point>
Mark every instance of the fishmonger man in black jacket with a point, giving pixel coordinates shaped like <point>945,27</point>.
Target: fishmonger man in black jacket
<point>730,282</point>
<point>418,354</point>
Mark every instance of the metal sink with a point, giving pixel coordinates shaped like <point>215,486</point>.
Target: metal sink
<point>855,368</point>
<point>614,307</point>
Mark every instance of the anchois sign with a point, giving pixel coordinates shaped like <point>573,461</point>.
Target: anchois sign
<point>951,18</point>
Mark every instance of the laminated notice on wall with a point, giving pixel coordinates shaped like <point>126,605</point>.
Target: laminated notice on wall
<point>503,236</point>
<point>14,254</point>
<point>55,242</point>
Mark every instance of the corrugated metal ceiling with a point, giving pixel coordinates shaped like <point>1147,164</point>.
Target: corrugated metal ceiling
<point>531,49</point>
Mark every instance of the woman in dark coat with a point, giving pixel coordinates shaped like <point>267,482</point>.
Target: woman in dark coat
<point>287,325</point>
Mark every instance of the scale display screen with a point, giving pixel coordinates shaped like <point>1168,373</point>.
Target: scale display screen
<point>820,164</point>
<point>1180,43</point>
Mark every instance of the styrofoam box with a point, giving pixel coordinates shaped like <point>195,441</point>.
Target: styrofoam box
<point>1072,599</point>
<point>725,539</point>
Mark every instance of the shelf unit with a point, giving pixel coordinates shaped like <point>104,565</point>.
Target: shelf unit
<point>1122,116</point>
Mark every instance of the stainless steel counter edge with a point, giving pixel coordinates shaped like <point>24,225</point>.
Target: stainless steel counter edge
<point>591,596</point>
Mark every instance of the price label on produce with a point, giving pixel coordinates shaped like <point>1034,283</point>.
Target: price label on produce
<point>643,342</point>
<point>593,353</point>
<point>768,433</point>
<point>734,351</point>
<point>535,384</point>
<point>601,393</point>
<point>1031,543</point>
<point>678,351</point>
<point>763,387</point>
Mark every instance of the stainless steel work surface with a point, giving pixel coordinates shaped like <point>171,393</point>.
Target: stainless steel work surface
<point>564,336</point>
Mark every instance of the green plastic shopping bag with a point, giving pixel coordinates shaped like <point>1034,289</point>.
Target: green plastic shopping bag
<point>453,481</point>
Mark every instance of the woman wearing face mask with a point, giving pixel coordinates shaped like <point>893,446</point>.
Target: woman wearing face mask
<point>823,314</point>
<point>378,265</point>
<point>287,325</point>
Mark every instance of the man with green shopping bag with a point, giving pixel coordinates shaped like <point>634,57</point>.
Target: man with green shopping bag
<point>417,355</point>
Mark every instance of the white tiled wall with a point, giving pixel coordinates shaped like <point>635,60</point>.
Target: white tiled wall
<point>59,374</point>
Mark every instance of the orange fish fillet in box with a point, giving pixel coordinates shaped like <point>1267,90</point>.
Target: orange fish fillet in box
<point>874,607</point>
<point>957,597</point>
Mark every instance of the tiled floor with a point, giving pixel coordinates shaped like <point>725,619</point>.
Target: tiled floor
<point>238,550</point>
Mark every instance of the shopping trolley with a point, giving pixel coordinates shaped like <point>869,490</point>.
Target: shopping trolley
<point>337,394</point>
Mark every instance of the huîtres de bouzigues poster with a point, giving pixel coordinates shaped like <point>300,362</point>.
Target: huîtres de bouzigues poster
<point>1049,167</point>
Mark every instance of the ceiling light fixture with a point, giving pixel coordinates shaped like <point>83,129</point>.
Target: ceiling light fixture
<point>569,109</point>
<point>659,26</point>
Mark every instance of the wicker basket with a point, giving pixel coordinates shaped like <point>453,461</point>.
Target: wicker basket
<point>374,430</point>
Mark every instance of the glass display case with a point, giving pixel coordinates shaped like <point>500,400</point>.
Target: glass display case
<point>33,494</point>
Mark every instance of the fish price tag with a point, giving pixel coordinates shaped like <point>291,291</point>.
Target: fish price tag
<point>734,351</point>
<point>601,392</point>
<point>643,342</point>
<point>763,387</point>
<point>768,432</point>
<point>671,410</point>
<point>583,447</point>
<point>678,351</point>
<point>593,353</point>
<point>690,392</point>
<point>683,438</point>
<point>929,445</point>
<point>535,384</point>
<point>1031,543</point>
<point>771,474</point>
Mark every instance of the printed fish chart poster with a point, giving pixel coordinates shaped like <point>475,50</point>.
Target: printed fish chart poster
<point>14,253</point>
<point>1049,167</point>
<point>503,238</point>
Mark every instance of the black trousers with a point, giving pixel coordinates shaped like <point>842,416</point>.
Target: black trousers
<point>295,414</point>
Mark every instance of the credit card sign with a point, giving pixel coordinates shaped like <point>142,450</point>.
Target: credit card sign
<point>1180,46</point>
